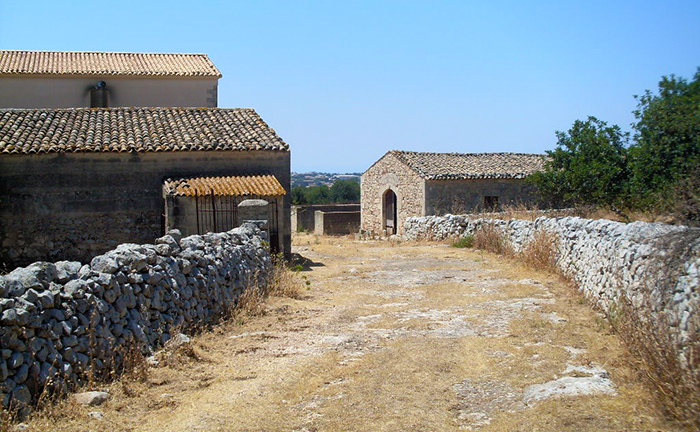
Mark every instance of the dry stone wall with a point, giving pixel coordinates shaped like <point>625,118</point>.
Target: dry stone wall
<point>61,320</point>
<point>654,266</point>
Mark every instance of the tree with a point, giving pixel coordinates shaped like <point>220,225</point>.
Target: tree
<point>667,149</point>
<point>587,167</point>
<point>298,195</point>
<point>342,191</point>
<point>345,191</point>
<point>318,194</point>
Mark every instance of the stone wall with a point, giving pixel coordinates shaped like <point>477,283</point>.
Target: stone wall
<point>654,266</point>
<point>73,206</point>
<point>60,321</point>
<point>465,196</point>
<point>304,217</point>
<point>337,223</point>
<point>390,173</point>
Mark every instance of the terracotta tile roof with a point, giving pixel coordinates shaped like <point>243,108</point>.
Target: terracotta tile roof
<point>106,64</point>
<point>263,185</point>
<point>446,166</point>
<point>65,130</point>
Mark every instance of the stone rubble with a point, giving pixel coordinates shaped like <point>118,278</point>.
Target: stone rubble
<point>61,321</point>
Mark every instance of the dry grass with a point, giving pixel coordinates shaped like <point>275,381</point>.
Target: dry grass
<point>490,238</point>
<point>677,387</point>
<point>282,282</point>
<point>541,252</point>
<point>286,281</point>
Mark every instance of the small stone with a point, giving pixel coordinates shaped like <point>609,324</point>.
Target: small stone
<point>169,241</point>
<point>31,295</point>
<point>21,395</point>
<point>104,264</point>
<point>75,289</point>
<point>67,270</point>
<point>180,339</point>
<point>47,299</point>
<point>22,374</point>
<point>175,234</point>
<point>10,317</point>
<point>91,398</point>
<point>16,360</point>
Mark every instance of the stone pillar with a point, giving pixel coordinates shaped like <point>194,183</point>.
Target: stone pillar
<point>252,210</point>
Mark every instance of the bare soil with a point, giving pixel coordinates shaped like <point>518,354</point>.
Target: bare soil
<point>391,337</point>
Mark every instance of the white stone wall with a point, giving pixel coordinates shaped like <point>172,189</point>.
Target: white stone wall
<point>609,261</point>
<point>389,173</point>
<point>61,321</point>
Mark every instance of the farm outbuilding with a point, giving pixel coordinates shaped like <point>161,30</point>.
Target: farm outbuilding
<point>404,183</point>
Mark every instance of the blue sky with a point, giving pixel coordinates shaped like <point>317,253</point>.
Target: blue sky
<point>345,81</point>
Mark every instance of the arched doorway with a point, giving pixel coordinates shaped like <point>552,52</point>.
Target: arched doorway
<point>390,220</point>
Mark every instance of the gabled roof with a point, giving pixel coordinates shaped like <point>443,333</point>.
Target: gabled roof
<point>106,64</point>
<point>447,166</point>
<point>67,130</point>
<point>263,185</point>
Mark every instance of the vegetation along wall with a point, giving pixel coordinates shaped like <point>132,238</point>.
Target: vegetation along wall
<point>62,321</point>
<point>647,272</point>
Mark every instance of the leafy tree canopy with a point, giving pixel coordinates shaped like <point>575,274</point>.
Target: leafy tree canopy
<point>667,148</point>
<point>587,167</point>
<point>342,191</point>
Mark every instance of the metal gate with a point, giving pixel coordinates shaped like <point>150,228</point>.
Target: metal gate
<point>217,213</point>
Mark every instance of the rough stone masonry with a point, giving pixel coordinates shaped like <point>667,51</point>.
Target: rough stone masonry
<point>60,321</point>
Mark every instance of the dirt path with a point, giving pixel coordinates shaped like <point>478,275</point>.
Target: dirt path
<point>395,338</point>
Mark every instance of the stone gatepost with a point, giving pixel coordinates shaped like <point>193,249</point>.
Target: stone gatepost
<point>256,211</point>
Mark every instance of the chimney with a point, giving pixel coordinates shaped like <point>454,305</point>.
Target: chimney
<point>99,96</point>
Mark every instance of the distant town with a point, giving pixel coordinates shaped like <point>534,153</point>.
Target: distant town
<point>319,178</point>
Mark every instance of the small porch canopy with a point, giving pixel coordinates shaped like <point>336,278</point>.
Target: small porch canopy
<point>210,204</point>
<point>262,185</point>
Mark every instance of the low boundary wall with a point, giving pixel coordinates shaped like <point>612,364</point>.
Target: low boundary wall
<point>336,223</point>
<point>304,216</point>
<point>60,321</point>
<point>654,266</point>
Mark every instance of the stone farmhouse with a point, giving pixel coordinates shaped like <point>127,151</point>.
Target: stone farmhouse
<point>403,183</point>
<point>76,182</point>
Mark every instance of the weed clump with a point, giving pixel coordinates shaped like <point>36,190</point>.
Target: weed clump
<point>464,242</point>
<point>541,252</point>
<point>282,282</point>
<point>490,238</point>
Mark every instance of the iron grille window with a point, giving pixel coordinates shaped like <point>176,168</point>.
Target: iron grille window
<point>491,203</point>
<point>220,214</point>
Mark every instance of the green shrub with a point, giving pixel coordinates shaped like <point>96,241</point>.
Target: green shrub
<point>464,242</point>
